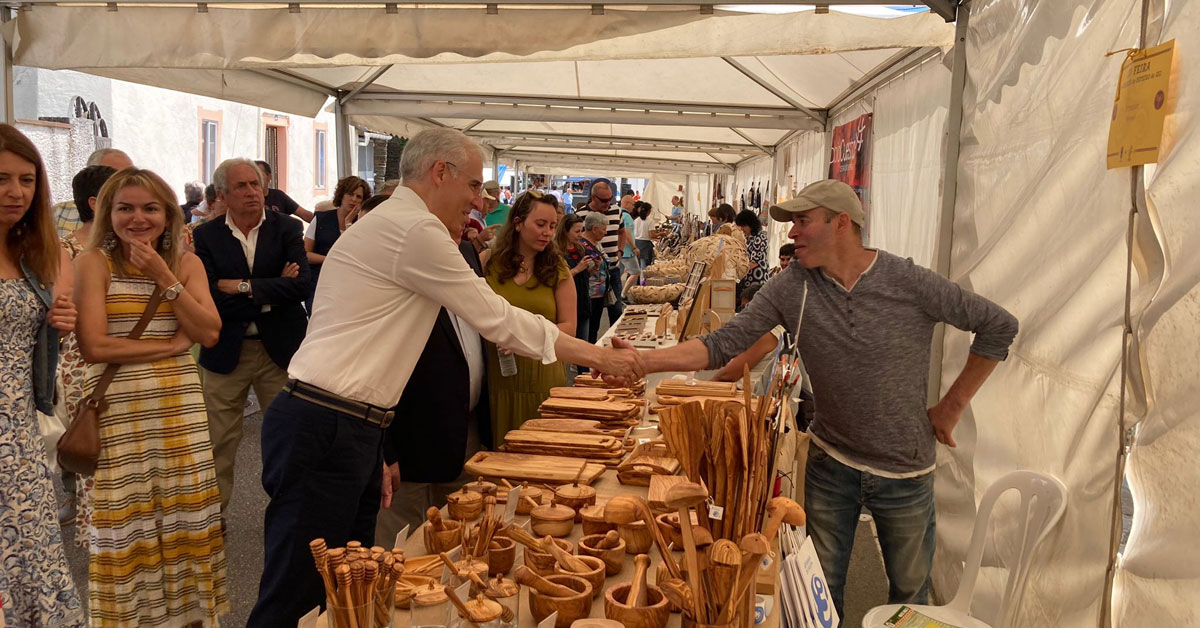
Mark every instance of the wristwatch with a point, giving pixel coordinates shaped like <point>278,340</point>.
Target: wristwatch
<point>244,287</point>
<point>172,293</point>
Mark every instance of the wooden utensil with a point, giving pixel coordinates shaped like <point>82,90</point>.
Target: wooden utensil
<point>526,577</point>
<point>569,562</point>
<point>680,595</point>
<point>724,562</point>
<point>653,614</point>
<point>570,609</point>
<point>637,589</point>
<point>533,468</point>
<point>755,546</point>
<point>682,497</point>
<point>624,509</point>
<point>782,510</point>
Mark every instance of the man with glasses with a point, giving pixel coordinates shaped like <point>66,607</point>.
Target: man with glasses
<point>324,465</point>
<point>600,200</point>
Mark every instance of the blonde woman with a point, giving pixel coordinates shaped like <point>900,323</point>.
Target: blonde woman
<point>157,556</point>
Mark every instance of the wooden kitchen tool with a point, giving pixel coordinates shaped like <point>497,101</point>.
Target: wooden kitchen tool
<point>682,497</point>
<point>613,557</point>
<point>570,608</point>
<point>553,470</point>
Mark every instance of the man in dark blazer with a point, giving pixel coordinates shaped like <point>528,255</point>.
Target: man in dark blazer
<point>258,274</point>
<point>441,421</point>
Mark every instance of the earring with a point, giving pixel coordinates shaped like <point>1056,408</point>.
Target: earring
<point>110,242</point>
<point>166,241</point>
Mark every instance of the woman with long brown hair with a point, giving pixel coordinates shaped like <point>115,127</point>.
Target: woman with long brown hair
<point>525,268</point>
<point>156,551</point>
<point>327,226</point>
<point>35,305</point>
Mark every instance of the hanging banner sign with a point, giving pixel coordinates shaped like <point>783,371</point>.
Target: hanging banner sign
<point>1140,111</point>
<point>850,159</point>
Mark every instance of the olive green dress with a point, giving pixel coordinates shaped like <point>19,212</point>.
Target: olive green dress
<point>515,399</point>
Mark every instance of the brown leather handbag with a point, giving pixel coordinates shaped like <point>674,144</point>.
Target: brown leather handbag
<point>79,446</point>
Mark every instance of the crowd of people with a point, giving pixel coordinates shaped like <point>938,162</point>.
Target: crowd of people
<point>385,355</point>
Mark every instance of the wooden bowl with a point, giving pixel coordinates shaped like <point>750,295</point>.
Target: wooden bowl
<point>470,564</point>
<point>671,533</point>
<point>654,615</point>
<point>464,505</point>
<point>575,496</point>
<point>593,520</point>
<point>595,577</point>
<point>569,608</point>
<point>442,541</point>
<point>502,553</point>
<point>555,520</point>
<point>533,493</point>
<point>614,559</point>
<point>542,563</point>
<point>637,537</point>
<point>688,622</point>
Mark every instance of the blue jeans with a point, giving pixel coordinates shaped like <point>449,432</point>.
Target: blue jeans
<point>834,494</point>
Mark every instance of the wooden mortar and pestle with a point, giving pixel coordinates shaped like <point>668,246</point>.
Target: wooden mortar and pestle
<point>440,535</point>
<point>609,547</point>
<point>570,595</point>
<point>480,610</point>
<point>537,559</point>
<point>587,567</point>
<point>464,505</point>
<point>624,510</point>
<point>637,604</point>
<point>464,568</point>
<point>593,520</point>
<point>668,524</point>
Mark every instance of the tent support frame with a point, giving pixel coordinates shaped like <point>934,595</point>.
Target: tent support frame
<point>6,72</point>
<point>958,82</point>
<point>341,137</point>
<point>775,91</point>
<point>612,141</point>
<point>769,151</point>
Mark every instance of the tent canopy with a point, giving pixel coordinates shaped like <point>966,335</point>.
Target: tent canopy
<point>616,85</point>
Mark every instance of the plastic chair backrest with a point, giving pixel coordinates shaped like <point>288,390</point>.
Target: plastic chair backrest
<point>1043,500</point>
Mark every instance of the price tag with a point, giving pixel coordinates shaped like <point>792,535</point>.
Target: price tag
<point>765,562</point>
<point>510,508</point>
<point>455,553</point>
<point>643,441</point>
<point>763,605</point>
<point>310,619</point>
<point>402,537</point>
<point>716,513</point>
<point>548,622</point>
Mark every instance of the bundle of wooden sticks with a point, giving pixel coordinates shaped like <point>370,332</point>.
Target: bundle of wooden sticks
<point>360,583</point>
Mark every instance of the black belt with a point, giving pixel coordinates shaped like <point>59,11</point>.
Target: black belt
<point>338,403</point>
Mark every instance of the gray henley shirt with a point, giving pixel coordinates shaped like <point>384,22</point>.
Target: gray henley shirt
<point>867,351</point>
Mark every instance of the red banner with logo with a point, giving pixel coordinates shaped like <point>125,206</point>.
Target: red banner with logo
<point>850,159</point>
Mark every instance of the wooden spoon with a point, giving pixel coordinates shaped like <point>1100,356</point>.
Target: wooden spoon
<point>683,496</point>
<point>680,594</point>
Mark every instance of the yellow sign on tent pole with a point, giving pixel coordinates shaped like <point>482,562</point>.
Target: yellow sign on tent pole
<point>1141,107</point>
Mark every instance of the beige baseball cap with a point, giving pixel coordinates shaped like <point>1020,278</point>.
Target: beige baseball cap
<point>490,189</point>
<point>828,193</point>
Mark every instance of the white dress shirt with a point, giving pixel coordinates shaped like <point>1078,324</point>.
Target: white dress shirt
<point>249,244</point>
<point>378,298</point>
<point>473,351</point>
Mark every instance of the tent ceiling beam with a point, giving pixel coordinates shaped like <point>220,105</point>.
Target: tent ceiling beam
<point>302,81</point>
<point>365,84</point>
<point>472,125</point>
<point>948,9</point>
<point>546,113</point>
<point>656,106</point>
<point>894,66</point>
<point>778,93</point>
<point>769,151</point>
<point>633,163</point>
<point>605,145</point>
<point>610,142</point>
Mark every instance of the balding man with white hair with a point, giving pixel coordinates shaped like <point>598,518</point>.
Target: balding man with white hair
<point>66,215</point>
<point>382,286</point>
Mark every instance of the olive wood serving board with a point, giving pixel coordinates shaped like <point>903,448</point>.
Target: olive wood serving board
<point>553,470</point>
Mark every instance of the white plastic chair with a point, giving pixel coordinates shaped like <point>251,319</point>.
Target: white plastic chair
<point>1043,500</point>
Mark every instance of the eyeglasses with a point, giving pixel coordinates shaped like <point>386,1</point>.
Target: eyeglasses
<point>603,201</point>
<point>476,186</point>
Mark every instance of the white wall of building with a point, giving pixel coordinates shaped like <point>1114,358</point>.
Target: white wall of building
<point>160,129</point>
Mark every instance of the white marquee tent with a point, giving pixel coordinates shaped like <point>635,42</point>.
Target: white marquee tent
<point>990,124</point>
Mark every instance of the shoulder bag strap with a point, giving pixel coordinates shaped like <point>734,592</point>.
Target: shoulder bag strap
<point>110,371</point>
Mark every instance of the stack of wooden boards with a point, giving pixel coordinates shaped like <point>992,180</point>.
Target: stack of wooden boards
<point>585,380</point>
<point>602,449</point>
<point>551,470</point>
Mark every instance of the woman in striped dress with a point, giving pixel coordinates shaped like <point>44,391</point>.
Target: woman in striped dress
<point>157,555</point>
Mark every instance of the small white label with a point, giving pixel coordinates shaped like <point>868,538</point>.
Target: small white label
<point>548,622</point>
<point>510,508</point>
<point>310,619</point>
<point>402,537</point>
<point>716,513</point>
<point>763,604</point>
<point>643,441</point>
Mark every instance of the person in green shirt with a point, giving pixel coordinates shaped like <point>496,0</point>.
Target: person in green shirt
<point>497,216</point>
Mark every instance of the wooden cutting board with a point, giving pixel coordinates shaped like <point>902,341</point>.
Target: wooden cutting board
<point>575,426</point>
<point>679,388</point>
<point>573,392</point>
<point>561,439</point>
<point>659,485</point>
<point>553,470</point>
<point>583,408</point>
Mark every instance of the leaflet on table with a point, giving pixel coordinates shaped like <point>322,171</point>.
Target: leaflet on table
<point>906,617</point>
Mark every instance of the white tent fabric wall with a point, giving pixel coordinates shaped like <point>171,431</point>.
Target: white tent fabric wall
<point>1039,228</point>
<point>757,171</point>
<point>697,197</point>
<point>1159,572</point>
<point>659,191</point>
<point>906,161</point>
<point>805,159</point>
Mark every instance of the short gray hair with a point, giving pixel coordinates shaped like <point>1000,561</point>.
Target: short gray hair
<point>433,145</point>
<point>591,220</point>
<point>220,176</point>
<point>193,191</point>
<point>98,155</point>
